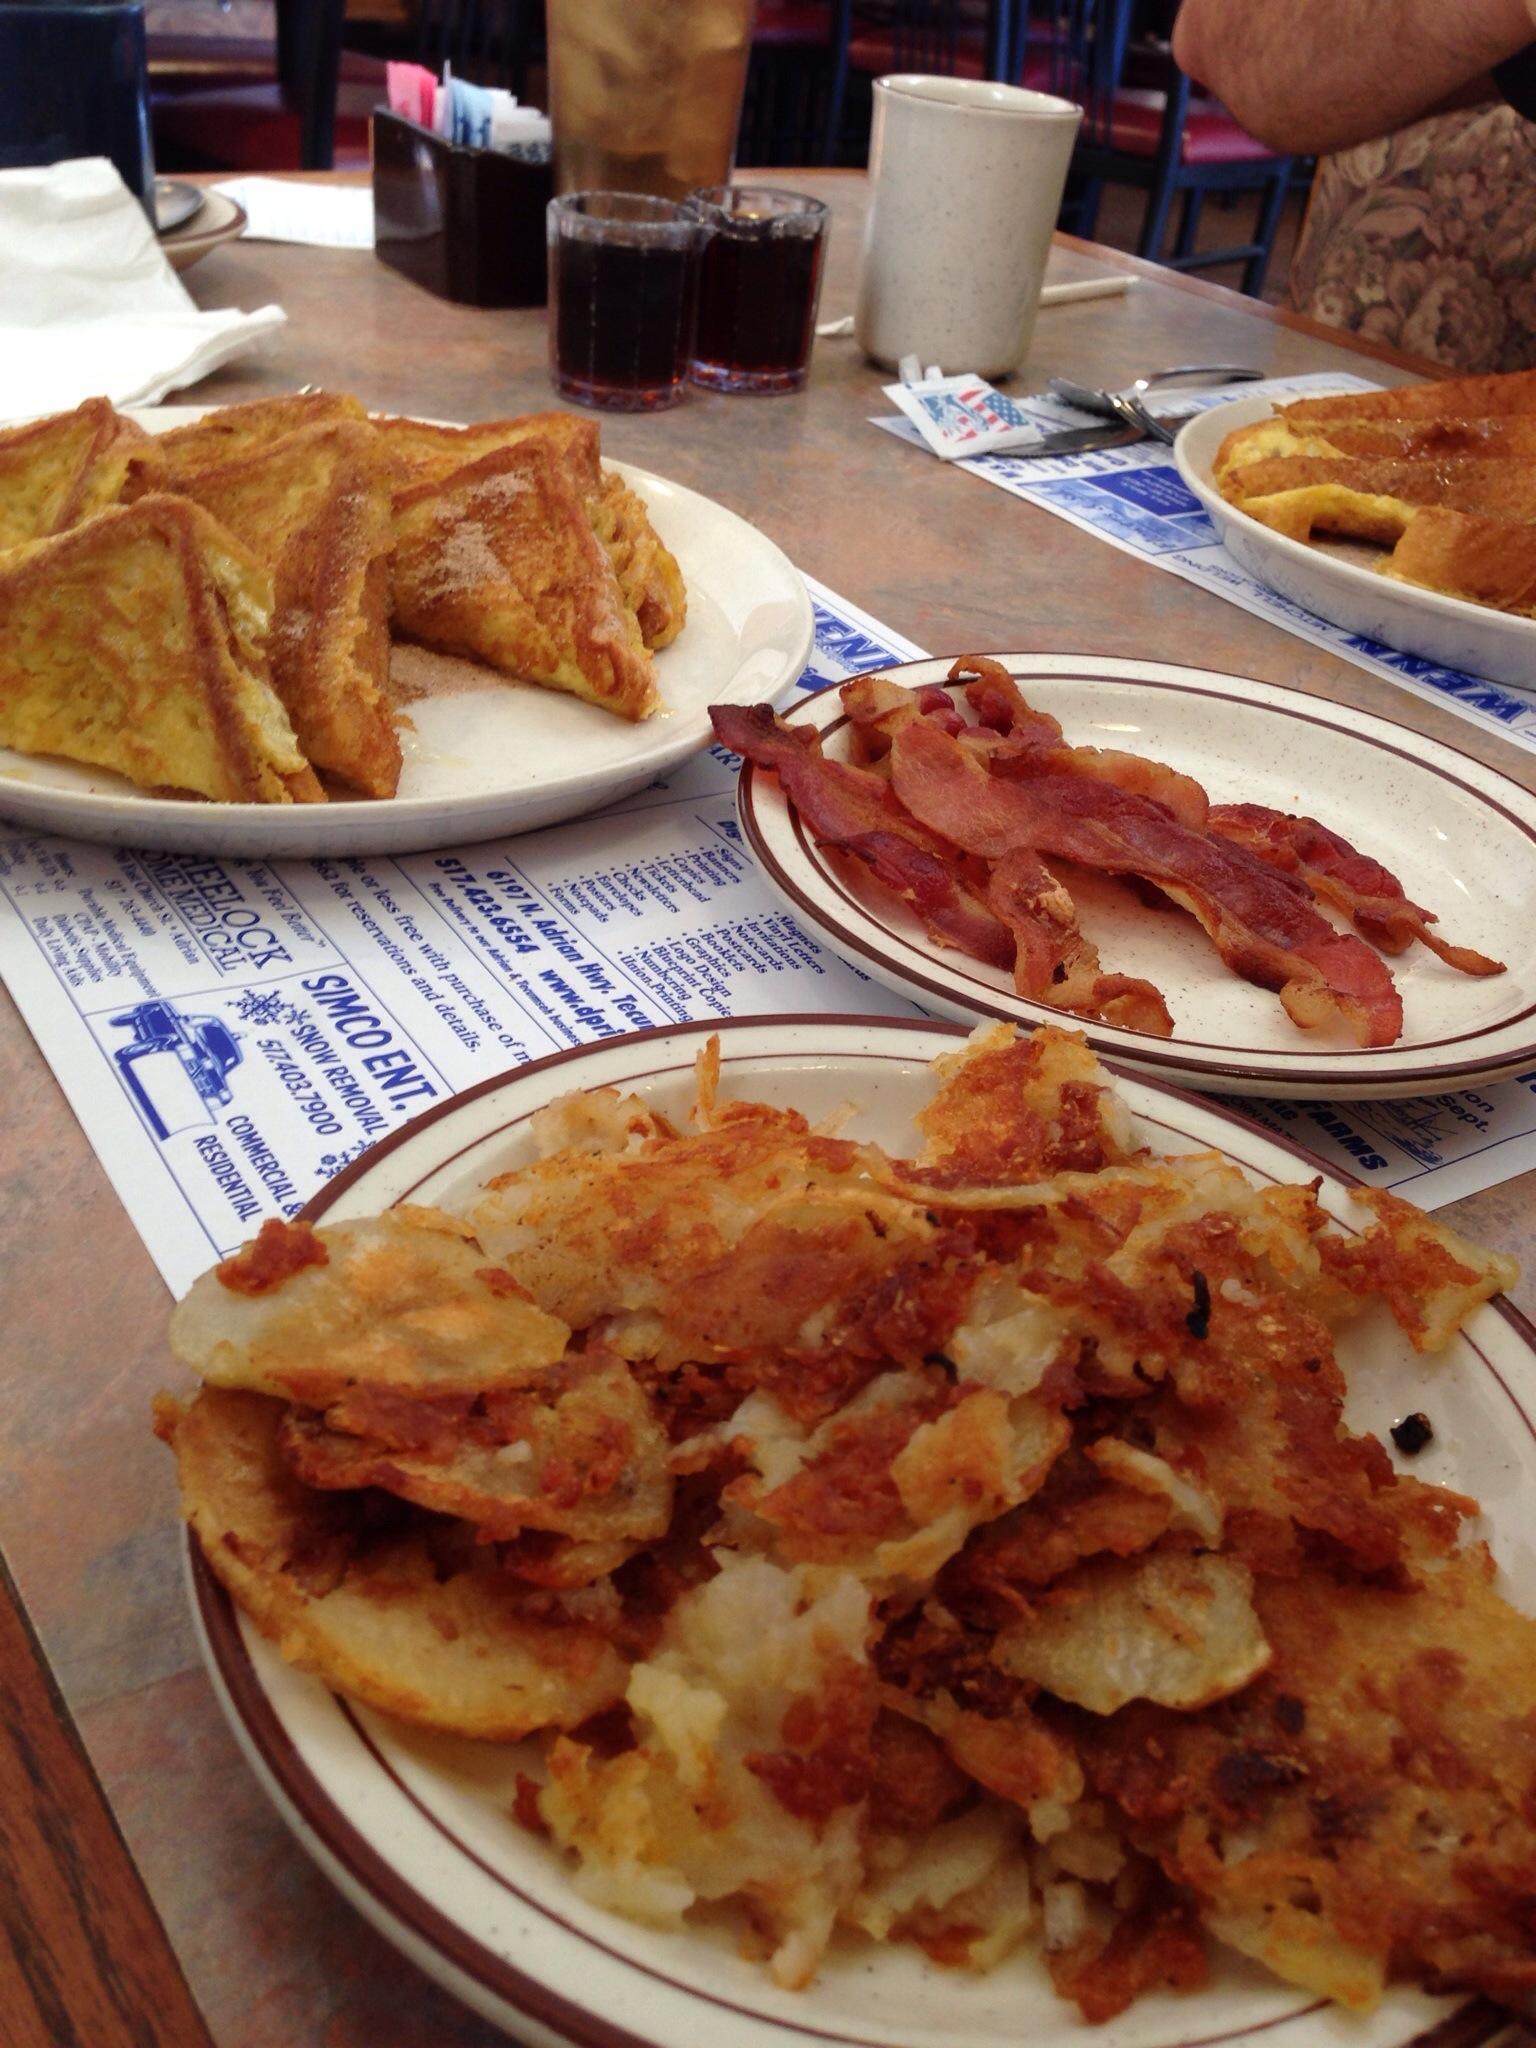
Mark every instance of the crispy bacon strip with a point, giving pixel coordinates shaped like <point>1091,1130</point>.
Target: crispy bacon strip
<point>1034,745</point>
<point>998,702</point>
<point>1371,895</point>
<point>1261,922</point>
<point>1026,922</point>
<point>855,810</point>
<point>1056,961</point>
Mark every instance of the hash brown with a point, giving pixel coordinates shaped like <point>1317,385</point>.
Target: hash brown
<point>1039,1597</point>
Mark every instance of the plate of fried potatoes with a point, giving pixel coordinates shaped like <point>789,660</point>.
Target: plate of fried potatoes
<point>1475,611</point>
<point>289,627</point>
<point>834,1531</point>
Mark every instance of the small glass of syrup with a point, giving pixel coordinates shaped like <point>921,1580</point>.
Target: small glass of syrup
<point>623,275</point>
<point>759,283</point>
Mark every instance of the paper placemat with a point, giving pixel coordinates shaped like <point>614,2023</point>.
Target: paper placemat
<point>231,1033</point>
<point>1135,499</point>
<point>292,210</point>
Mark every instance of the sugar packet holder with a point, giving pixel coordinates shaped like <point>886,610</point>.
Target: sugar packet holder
<point>965,415</point>
<point>464,223</point>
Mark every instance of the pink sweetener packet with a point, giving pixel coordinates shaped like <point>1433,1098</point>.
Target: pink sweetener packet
<point>411,91</point>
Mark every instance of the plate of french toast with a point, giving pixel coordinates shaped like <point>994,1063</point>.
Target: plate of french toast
<point>1407,516</point>
<point>289,627</point>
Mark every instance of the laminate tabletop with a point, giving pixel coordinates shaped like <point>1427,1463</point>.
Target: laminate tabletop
<point>270,1954</point>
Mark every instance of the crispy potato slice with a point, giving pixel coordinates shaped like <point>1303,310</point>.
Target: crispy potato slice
<point>581,1455</point>
<point>398,1300</point>
<point>1430,1276</point>
<point>1192,1506</point>
<point>747,1235</point>
<point>1015,1108</point>
<point>378,1623</point>
<point>891,1484</point>
<point>1165,1626</point>
<point>1362,1810</point>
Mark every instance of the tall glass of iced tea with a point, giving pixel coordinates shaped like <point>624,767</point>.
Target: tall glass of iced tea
<point>646,94</point>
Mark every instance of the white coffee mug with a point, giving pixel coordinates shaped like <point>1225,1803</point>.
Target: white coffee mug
<point>966,181</point>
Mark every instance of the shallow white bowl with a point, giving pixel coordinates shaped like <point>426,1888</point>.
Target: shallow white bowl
<point>1444,630</point>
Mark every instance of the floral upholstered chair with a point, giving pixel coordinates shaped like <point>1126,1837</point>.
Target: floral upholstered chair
<point>1427,240</point>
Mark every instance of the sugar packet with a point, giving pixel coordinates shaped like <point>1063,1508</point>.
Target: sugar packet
<point>473,116</point>
<point>966,416</point>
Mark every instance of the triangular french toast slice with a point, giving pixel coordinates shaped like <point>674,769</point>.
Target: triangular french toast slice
<point>498,560</point>
<point>423,451</point>
<point>315,508</point>
<point>647,570</point>
<point>56,472</point>
<point>135,642</point>
<point>648,574</point>
<point>231,431</point>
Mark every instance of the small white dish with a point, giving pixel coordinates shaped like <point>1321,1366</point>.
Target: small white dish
<point>217,220</point>
<point>416,1832</point>
<point>484,755</point>
<point>1351,594</point>
<point>1461,838</point>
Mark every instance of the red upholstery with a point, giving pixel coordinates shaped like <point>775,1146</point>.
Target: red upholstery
<point>1211,136</point>
<point>793,24</point>
<point>876,52</point>
<point>251,128</point>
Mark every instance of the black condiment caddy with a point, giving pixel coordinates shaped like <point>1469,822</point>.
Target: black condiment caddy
<point>467,224</point>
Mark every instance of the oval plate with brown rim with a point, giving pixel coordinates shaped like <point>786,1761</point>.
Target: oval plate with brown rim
<point>416,1830</point>
<point>1460,837</point>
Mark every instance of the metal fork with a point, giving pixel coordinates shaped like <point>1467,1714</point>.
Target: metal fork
<point>1130,406</point>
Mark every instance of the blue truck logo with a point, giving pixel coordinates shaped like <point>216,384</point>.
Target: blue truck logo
<point>174,1066</point>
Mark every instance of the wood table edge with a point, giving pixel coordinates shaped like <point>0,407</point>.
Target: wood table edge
<point>84,1959</point>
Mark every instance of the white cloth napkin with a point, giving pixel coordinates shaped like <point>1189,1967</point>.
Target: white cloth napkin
<point>89,304</point>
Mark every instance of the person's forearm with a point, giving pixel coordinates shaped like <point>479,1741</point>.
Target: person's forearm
<point>1311,75</point>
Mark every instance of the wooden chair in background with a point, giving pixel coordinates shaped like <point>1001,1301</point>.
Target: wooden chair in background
<point>1144,126</point>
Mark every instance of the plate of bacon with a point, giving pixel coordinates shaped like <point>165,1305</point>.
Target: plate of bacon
<point>1252,899</point>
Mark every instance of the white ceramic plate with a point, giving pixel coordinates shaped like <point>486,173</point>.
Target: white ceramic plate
<point>1460,837</point>
<point>491,756</point>
<point>1346,592</point>
<point>415,1830</point>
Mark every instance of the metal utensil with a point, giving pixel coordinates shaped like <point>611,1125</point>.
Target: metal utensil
<point>1195,373</point>
<point>1113,433</point>
<point>1083,396</point>
<point>175,204</point>
<point>1130,406</point>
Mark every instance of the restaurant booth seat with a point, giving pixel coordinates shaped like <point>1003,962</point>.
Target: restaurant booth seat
<point>258,125</point>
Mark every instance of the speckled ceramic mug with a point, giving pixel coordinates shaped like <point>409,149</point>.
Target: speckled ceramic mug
<point>966,180</point>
